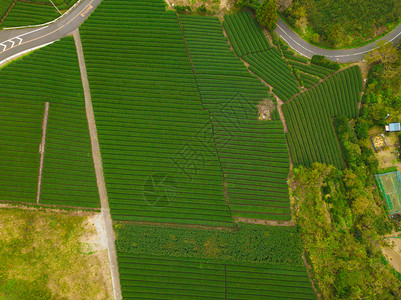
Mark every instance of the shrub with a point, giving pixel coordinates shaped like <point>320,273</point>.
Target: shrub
<point>323,61</point>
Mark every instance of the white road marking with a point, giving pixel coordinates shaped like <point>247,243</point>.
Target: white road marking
<point>295,41</point>
<point>19,39</point>
<point>294,48</point>
<point>31,32</point>
<point>395,37</point>
<point>333,56</point>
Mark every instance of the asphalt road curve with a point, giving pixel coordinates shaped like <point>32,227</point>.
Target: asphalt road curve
<point>342,55</point>
<point>15,41</point>
<point>20,40</point>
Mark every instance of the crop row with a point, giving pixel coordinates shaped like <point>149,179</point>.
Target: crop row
<point>159,157</point>
<point>68,176</point>
<point>308,80</point>
<point>172,278</point>
<point>248,149</point>
<point>23,14</point>
<point>245,34</point>
<point>311,135</point>
<point>272,68</point>
<point>311,69</point>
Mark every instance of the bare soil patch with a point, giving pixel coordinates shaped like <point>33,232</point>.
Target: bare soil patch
<point>387,156</point>
<point>393,253</point>
<point>264,222</point>
<point>45,250</point>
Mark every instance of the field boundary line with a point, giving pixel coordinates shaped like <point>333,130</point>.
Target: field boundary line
<point>97,160</point>
<point>321,81</point>
<point>210,118</point>
<point>338,141</point>
<point>48,206</point>
<point>7,12</point>
<point>42,147</point>
<point>279,104</point>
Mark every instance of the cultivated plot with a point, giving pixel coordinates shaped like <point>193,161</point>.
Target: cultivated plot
<point>253,153</point>
<point>159,157</point>
<point>250,43</point>
<point>45,132</point>
<point>311,135</point>
<point>256,262</point>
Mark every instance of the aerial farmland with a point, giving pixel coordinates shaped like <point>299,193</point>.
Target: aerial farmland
<point>177,149</point>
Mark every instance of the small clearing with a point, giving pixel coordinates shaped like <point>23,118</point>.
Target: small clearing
<point>52,254</point>
<point>393,254</point>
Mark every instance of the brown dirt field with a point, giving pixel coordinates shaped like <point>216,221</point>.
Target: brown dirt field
<point>264,222</point>
<point>213,6</point>
<point>387,157</point>
<point>393,254</point>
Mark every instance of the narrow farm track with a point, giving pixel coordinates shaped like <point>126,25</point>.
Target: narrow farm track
<point>97,159</point>
<point>42,149</point>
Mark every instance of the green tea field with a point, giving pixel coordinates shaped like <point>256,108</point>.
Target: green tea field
<point>311,135</point>
<point>183,116</point>
<point>68,176</point>
<point>155,262</point>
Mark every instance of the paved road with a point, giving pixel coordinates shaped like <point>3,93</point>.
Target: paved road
<point>16,41</point>
<point>20,40</point>
<point>342,56</point>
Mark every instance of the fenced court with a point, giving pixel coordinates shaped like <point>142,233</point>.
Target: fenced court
<point>390,187</point>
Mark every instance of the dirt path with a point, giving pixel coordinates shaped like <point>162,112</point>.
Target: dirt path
<point>308,270</point>
<point>97,159</point>
<point>266,222</point>
<point>42,150</point>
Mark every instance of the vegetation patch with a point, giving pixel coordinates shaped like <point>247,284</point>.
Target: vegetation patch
<point>342,23</point>
<point>171,262</point>
<point>250,244</point>
<point>41,257</point>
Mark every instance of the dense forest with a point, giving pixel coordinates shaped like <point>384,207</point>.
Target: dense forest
<point>340,214</point>
<point>341,23</point>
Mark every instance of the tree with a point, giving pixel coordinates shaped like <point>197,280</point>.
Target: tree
<point>267,14</point>
<point>384,53</point>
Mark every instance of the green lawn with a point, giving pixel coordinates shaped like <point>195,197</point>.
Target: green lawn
<point>41,257</point>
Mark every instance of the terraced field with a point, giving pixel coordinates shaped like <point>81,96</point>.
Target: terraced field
<point>311,135</point>
<point>253,153</point>
<point>250,44</point>
<point>68,175</point>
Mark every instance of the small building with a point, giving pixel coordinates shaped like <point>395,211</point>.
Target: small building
<point>393,127</point>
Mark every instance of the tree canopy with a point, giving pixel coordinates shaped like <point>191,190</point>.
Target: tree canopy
<point>266,14</point>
